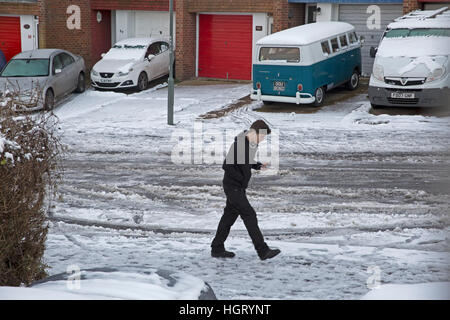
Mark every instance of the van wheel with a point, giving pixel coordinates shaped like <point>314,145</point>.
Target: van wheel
<point>319,94</point>
<point>353,83</point>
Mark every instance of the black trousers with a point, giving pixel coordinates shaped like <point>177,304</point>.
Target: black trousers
<point>238,205</point>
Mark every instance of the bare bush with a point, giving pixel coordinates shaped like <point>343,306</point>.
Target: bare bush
<point>29,170</point>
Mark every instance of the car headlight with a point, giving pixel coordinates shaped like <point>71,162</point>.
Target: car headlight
<point>95,73</point>
<point>436,74</point>
<point>378,72</point>
<point>123,74</point>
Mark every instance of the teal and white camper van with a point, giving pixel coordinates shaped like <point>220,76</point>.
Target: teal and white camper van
<point>300,64</point>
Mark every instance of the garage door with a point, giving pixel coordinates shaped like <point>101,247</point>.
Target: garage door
<point>357,16</point>
<point>10,40</point>
<point>225,46</point>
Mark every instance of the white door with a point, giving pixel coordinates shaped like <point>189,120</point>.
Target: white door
<point>153,67</point>
<point>125,24</point>
<point>153,24</point>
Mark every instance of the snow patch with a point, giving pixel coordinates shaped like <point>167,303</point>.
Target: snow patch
<point>420,291</point>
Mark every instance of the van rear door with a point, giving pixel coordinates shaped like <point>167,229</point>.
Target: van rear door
<point>277,74</point>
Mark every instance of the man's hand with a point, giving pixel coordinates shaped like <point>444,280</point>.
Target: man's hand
<point>264,166</point>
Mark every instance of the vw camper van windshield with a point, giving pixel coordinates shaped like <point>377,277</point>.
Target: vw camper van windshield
<point>286,54</point>
<point>423,32</point>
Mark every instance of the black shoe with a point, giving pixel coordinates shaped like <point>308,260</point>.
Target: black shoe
<point>222,254</point>
<point>269,254</point>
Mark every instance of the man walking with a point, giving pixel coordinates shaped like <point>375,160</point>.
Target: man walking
<point>237,166</point>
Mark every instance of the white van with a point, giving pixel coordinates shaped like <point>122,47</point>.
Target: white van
<point>412,62</point>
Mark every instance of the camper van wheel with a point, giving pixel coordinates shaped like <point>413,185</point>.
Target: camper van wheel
<point>320,96</point>
<point>353,83</point>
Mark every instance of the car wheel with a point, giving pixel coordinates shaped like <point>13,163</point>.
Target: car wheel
<point>319,94</point>
<point>353,83</point>
<point>81,86</point>
<point>142,81</point>
<point>49,101</point>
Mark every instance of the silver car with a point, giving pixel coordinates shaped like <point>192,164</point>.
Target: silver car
<point>36,79</point>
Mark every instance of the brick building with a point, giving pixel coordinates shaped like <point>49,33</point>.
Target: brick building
<point>214,38</point>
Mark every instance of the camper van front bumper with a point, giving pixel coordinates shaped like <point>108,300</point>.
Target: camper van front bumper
<point>300,98</point>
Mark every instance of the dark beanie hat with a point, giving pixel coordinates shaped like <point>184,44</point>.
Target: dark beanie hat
<point>260,125</point>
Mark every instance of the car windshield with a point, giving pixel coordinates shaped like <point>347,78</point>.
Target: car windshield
<point>126,52</point>
<point>26,68</point>
<point>279,53</point>
<point>422,32</point>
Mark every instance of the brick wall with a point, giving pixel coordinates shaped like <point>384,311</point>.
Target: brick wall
<point>152,5</point>
<point>231,5</point>
<point>19,8</point>
<point>411,5</point>
<point>186,41</point>
<point>54,32</point>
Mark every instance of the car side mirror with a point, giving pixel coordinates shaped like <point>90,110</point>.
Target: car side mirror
<point>150,57</point>
<point>103,54</point>
<point>373,51</point>
<point>58,71</point>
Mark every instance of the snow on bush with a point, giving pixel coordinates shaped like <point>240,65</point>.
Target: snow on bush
<point>29,154</point>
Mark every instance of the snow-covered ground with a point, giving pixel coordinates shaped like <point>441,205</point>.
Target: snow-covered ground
<point>353,191</point>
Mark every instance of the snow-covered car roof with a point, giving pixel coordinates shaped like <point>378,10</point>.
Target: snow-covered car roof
<point>306,34</point>
<point>37,54</point>
<point>112,283</point>
<point>414,24</point>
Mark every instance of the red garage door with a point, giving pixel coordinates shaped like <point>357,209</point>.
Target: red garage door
<point>10,41</point>
<point>225,46</point>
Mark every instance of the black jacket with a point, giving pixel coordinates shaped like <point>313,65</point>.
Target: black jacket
<point>239,162</point>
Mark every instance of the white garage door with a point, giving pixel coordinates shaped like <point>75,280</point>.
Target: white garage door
<point>356,14</point>
<point>131,24</point>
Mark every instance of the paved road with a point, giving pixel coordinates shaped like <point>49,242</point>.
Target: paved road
<point>356,209</point>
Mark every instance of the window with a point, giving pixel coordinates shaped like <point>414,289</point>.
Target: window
<point>352,37</point>
<point>154,49</point>
<point>400,33</point>
<point>57,62</point>
<point>279,53</point>
<point>26,68</point>
<point>334,45</point>
<point>326,48</point>
<point>343,40</point>
<point>67,60</point>
<point>164,46</point>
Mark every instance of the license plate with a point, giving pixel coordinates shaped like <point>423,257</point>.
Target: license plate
<point>279,85</point>
<point>105,80</point>
<point>403,95</point>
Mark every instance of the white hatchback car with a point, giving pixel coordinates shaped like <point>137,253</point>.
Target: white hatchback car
<point>132,63</point>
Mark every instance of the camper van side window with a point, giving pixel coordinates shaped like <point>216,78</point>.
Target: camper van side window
<point>352,37</point>
<point>334,45</point>
<point>326,48</point>
<point>343,41</point>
